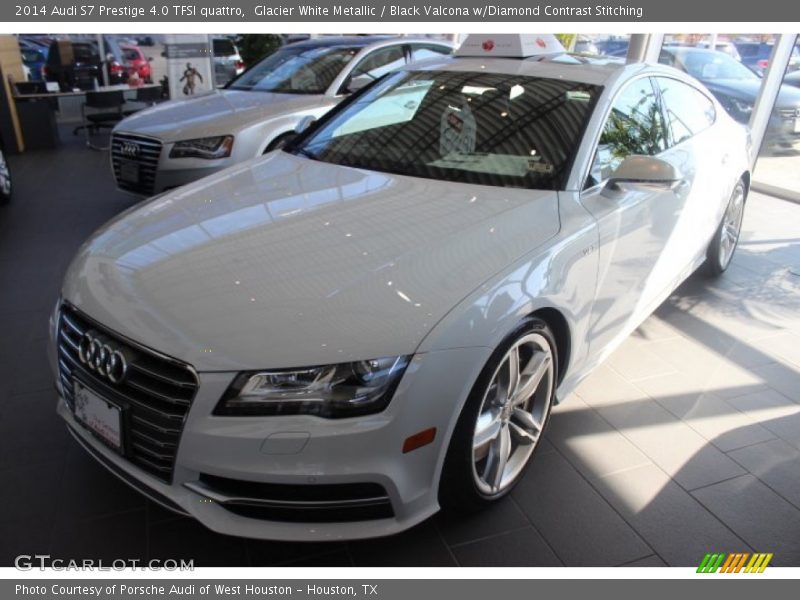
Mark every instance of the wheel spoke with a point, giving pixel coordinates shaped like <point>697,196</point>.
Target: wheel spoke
<point>498,459</point>
<point>486,431</point>
<point>520,435</point>
<point>513,373</point>
<point>533,374</point>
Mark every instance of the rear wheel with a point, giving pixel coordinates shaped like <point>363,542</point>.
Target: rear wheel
<point>503,419</point>
<point>723,244</point>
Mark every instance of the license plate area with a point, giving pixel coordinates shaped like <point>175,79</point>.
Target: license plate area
<point>129,171</point>
<point>100,416</point>
<point>797,125</point>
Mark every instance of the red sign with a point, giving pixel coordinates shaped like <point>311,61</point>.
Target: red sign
<point>488,45</point>
<point>541,43</point>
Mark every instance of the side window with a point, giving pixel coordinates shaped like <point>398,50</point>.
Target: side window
<point>425,51</point>
<point>688,111</point>
<point>634,126</point>
<point>379,62</point>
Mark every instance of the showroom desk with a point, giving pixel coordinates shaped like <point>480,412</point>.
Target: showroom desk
<point>37,113</point>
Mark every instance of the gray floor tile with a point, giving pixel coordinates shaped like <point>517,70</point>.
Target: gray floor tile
<point>758,515</point>
<point>634,360</point>
<point>776,463</point>
<point>503,517</point>
<point>522,548</point>
<point>580,526</point>
<point>590,443</point>
<point>716,420</point>
<point>419,546</point>
<point>647,561</point>
<point>784,377</point>
<point>774,412</point>
<point>671,521</point>
<point>670,443</point>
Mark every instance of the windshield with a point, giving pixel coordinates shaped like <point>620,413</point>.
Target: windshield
<point>708,65</point>
<point>489,129</point>
<point>293,70</point>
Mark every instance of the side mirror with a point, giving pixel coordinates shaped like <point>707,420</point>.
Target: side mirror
<point>644,173</point>
<point>304,124</point>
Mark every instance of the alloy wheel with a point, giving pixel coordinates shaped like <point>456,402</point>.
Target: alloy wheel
<point>731,227</point>
<point>512,415</point>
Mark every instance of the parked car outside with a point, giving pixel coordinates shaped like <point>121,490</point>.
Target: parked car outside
<point>137,62</point>
<point>737,87</point>
<point>334,341</point>
<point>728,48</point>
<point>183,140</point>
<point>78,64</point>
<point>227,60</point>
<point>34,59</point>
<point>756,55</point>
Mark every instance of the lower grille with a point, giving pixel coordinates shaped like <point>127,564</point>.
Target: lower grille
<point>311,503</point>
<point>134,159</point>
<point>154,397</point>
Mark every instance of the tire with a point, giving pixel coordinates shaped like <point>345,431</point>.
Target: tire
<point>474,474</point>
<point>5,179</point>
<point>280,141</point>
<point>723,245</point>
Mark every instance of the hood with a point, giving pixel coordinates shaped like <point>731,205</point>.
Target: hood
<point>220,112</point>
<point>283,261</point>
<point>747,91</point>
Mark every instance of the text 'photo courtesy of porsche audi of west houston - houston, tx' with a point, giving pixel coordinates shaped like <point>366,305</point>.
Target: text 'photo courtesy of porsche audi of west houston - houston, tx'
<point>338,338</point>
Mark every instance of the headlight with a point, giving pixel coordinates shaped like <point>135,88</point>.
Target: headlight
<point>333,391</point>
<point>208,147</point>
<point>743,108</point>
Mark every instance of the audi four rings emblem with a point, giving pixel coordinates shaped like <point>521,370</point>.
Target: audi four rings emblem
<point>130,149</point>
<point>102,358</point>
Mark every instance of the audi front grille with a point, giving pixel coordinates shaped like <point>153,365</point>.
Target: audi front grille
<point>155,394</point>
<point>138,151</point>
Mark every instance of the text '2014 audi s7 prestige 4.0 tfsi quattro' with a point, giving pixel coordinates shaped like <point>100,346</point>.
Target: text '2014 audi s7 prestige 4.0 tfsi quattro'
<point>338,338</point>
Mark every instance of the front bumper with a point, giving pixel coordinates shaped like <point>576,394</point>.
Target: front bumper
<point>308,453</point>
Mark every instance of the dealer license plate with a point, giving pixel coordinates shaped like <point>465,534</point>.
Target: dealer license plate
<point>129,172</point>
<point>100,416</point>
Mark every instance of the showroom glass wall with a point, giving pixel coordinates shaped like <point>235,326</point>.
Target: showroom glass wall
<point>757,79</point>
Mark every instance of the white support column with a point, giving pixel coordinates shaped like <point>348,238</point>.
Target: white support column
<point>645,47</point>
<point>778,61</point>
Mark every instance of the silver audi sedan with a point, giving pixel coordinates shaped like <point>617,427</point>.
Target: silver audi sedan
<point>171,144</point>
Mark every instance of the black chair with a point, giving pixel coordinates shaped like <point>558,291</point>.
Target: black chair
<point>106,111</point>
<point>145,97</point>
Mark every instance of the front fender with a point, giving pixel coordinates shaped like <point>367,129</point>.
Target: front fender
<point>560,274</point>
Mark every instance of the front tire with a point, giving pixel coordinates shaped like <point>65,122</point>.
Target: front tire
<point>723,244</point>
<point>502,421</point>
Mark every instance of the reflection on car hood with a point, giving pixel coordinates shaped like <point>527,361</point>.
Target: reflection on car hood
<point>220,112</point>
<point>284,261</point>
<point>747,90</point>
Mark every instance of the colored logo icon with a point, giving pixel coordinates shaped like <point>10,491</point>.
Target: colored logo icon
<point>735,563</point>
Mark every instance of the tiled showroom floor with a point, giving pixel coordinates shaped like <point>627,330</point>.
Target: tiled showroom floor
<point>686,441</point>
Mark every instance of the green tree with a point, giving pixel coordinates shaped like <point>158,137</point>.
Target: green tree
<point>253,47</point>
